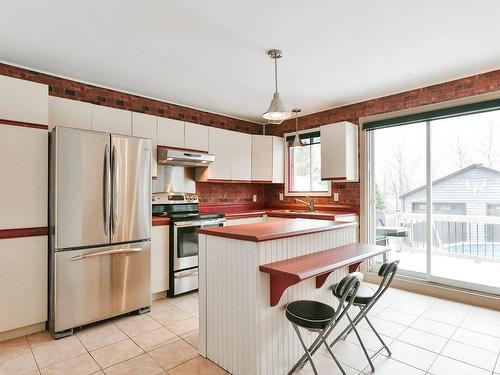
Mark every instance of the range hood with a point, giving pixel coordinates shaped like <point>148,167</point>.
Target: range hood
<point>168,156</point>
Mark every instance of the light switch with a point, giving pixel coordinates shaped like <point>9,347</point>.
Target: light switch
<point>281,196</point>
<point>335,197</point>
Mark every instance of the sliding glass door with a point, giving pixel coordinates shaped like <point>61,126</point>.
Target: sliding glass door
<point>435,198</point>
<point>399,167</point>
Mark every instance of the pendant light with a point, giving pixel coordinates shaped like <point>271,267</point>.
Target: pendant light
<point>276,113</point>
<point>297,142</point>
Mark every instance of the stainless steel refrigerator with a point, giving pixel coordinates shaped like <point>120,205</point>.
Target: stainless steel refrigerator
<point>100,227</point>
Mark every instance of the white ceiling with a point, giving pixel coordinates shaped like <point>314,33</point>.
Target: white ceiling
<point>211,55</point>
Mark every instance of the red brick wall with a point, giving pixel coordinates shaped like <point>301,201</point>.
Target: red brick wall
<point>65,88</point>
<point>349,192</point>
<point>227,193</point>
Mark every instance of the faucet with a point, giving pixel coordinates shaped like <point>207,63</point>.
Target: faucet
<point>309,203</point>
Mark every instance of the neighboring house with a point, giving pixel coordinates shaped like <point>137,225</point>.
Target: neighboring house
<point>471,191</point>
<point>474,190</point>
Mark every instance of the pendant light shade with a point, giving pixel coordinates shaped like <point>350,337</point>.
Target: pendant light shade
<point>297,142</point>
<point>276,113</point>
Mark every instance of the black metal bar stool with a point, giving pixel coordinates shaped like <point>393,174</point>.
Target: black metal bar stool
<point>319,317</point>
<point>365,298</point>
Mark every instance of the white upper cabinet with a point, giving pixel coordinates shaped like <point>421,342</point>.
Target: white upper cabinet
<point>23,167</point>
<point>195,137</point>
<point>268,159</point>
<point>339,152</point>
<point>23,101</point>
<point>145,126</point>
<point>241,161</point>
<point>69,113</point>
<point>170,132</point>
<point>233,156</point>
<point>111,120</point>
<point>219,144</point>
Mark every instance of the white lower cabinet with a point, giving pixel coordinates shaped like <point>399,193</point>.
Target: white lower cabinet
<point>23,286</point>
<point>159,258</point>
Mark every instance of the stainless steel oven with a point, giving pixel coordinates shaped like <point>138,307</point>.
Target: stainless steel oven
<point>183,211</point>
<point>185,253</point>
<point>186,241</point>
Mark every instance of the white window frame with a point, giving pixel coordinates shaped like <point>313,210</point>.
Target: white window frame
<point>289,193</point>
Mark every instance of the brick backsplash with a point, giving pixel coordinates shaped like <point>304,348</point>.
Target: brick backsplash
<point>65,88</point>
<point>348,195</point>
<point>227,193</point>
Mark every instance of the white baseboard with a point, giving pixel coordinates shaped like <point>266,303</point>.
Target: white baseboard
<point>22,331</point>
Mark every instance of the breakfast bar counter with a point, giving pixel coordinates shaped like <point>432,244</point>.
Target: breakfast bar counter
<point>242,328</point>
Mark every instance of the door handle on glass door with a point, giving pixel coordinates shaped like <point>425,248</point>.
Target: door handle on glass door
<point>107,189</point>
<point>108,252</point>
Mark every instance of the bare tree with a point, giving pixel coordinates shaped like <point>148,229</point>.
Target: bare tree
<point>400,173</point>
<point>461,153</point>
<point>487,146</point>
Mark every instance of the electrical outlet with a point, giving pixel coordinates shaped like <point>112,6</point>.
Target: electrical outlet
<point>281,196</point>
<point>254,198</point>
<point>336,197</point>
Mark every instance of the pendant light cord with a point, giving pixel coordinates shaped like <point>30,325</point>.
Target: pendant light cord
<point>275,74</point>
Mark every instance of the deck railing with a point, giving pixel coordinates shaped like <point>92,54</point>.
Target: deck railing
<point>471,236</point>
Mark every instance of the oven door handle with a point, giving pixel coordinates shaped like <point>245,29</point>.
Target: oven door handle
<point>200,223</point>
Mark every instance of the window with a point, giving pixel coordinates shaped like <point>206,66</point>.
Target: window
<point>435,179</point>
<point>304,166</point>
<point>439,208</point>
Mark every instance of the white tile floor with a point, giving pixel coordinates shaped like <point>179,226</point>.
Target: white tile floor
<point>426,335</point>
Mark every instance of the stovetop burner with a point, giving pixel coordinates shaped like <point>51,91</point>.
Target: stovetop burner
<point>179,207</point>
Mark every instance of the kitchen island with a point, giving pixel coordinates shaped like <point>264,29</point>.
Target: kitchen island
<point>240,329</point>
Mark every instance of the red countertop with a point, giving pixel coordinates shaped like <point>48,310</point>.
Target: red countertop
<point>273,230</point>
<point>160,220</point>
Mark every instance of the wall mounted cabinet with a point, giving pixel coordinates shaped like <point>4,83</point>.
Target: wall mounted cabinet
<point>69,113</point>
<point>170,132</point>
<point>145,126</point>
<point>23,101</point>
<point>195,137</point>
<point>339,152</point>
<point>111,120</point>
<point>241,156</point>
<point>268,159</point>
<point>233,157</point>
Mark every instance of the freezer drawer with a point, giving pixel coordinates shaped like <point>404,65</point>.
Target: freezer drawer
<point>99,283</point>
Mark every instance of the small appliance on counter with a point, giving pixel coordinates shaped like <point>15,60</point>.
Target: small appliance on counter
<point>183,211</point>
<point>100,227</point>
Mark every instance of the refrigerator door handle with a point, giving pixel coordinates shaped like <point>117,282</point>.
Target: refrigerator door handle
<point>114,188</point>
<point>107,189</point>
<point>108,252</point>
